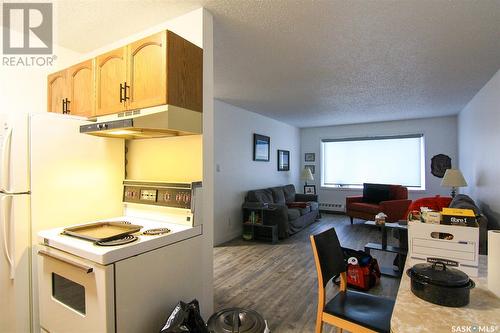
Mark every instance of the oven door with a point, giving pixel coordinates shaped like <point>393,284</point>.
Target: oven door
<point>75,295</point>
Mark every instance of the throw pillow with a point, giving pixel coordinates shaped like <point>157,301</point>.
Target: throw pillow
<point>375,193</point>
<point>297,204</point>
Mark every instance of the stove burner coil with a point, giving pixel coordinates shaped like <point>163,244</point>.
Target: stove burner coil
<point>157,231</point>
<point>118,241</point>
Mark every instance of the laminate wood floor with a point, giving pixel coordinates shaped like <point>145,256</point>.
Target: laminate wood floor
<point>279,280</point>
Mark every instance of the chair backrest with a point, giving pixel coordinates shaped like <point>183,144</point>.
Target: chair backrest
<point>398,192</point>
<point>330,256</point>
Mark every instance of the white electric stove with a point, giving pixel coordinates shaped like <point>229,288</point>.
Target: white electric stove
<point>153,234</point>
<point>92,286</point>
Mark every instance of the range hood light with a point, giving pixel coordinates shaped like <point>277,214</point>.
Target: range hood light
<point>121,132</point>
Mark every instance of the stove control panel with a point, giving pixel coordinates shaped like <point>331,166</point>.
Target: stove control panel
<point>175,196</point>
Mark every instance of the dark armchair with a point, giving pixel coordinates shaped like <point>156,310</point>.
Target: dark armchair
<point>389,199</point>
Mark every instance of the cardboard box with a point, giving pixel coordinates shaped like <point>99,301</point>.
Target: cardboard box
<point>431,217</point>
<point>457,246</point>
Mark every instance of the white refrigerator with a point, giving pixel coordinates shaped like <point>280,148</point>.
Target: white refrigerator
<point>50,176</point>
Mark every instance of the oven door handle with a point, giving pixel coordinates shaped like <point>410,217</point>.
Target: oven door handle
<point>85,268</point>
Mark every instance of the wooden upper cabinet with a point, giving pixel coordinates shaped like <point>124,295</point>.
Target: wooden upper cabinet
<point>147,72</point>
<point>164,69</point>
<point>81,89</point>
<point>184,73</point>
<point>160,69</point>
<point>111,74</point>
<point>56,91</point>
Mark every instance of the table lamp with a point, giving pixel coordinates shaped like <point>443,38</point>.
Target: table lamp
<point>306,175</point>
<point>453,178</point>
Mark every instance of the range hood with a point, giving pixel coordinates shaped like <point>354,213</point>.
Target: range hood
<point>155,122</point>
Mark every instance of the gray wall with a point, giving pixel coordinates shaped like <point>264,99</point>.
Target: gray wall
<point>479,141</point>
<point>236,172</point>
<point>440,138</point>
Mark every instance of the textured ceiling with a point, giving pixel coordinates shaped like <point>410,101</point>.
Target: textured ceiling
<point>316,63</point>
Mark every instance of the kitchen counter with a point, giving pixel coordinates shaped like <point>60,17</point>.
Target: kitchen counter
<point>414,315</point>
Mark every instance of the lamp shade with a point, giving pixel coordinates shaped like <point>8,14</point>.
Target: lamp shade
<point>306,175</point>
<point>453,178</point>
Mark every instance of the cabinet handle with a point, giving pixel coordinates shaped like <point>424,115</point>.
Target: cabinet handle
<point>126,86</point>
<point>63,106</point>
<point>67,106</point>
<point>122,88</point>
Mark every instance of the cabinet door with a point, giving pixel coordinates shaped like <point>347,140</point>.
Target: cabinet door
<point>185,73</point>
<point>147,72</point>
<point>81,89</point>
<point>111,71</point>
<point>56,91</point>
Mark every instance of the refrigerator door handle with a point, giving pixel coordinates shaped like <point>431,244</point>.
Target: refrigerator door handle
<point>7,232</point>
<point>6,160</point>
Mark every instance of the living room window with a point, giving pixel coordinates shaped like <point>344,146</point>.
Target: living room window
<point>350,162</point>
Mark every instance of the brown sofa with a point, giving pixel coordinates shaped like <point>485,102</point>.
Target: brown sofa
<point>283,208</point>
<point>389,199</point>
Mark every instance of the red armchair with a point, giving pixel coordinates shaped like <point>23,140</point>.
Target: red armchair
<point>395,204</point>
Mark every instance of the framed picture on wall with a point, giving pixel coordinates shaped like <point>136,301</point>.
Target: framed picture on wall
<point>283,160</point>
<point>310,166</point>
<point>310,157</point>
<point>261,147</point>
<point>309,189</point>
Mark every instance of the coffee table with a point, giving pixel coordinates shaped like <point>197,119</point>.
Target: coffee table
<point>401,250</point>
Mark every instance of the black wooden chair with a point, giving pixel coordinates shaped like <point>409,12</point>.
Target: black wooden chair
<point>350,310</point>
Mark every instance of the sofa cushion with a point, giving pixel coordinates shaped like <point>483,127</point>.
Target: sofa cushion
<point>366,207</point>
<point>289,191</point>
<point>293,214</point>
<point>375,193</point>
<point>278,195</point>
<point>263,196</point>
<point>314,205</point>
<point>305,210</point>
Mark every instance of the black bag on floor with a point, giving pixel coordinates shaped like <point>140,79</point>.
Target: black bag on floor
<point>185,318</point>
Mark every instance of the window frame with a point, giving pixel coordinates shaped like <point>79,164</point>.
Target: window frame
<point>324,186</point>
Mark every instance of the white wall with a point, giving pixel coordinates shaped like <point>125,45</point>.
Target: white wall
<point>440,136</point>
<point>208,158</point>
<point>479,147</point>
<point>236,172</point>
